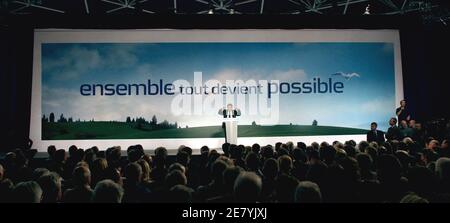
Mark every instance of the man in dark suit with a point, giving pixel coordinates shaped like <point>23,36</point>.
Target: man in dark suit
<point>375,135</point>
<point>393,132</point>
<point>228,112</point>
<point>403,112</point>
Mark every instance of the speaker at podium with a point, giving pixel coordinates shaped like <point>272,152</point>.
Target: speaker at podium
<point>230,123</point>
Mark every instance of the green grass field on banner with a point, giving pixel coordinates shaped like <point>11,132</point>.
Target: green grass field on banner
<point>122,130</point>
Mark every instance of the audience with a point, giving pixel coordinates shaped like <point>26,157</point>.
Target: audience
<point>409,167</point>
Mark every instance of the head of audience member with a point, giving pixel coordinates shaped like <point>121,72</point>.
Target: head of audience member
<point>252,161</point>
<point>72,150</point>
<point>372,151</point>
<point>181,194</point>
<point>278,146</point>
<point>177,166</point>
<point>95,149</point>
<point>227,160</point>
<point>2,172</point>
<point>324,144</point>
<point>301,145</point>
<point>160,157</point>
<point>412,123</point>
<point>107,191</point>
<point>229,177</point>
<point>60,156</point>
<point>133,154</point>
<point>51,151</point>
<point>413,198</point>
<point>350,150</point>
<point>133,173</point>
<point>112,173</point>
<point>89,156</point>
<point>285,163</point>
<point>186,149</point>
<point>79,155</point>
<point>98,169</point>
<point>267,152</point>
<point>38,172</point>
<point>428,156</point>
<point>247,187</point>
<point>351,169</point>
<point>183,158</point>
<point>373,126</point>
<point>236,152</point>
<point>299,155</point>
<point>393,121</point>
<point>217,169</point>
<point>313,157</point>
<point>51,187</point>
<point>315,145</point>
<point>432,144</point>
<point>365,162</point>
<point>226,149</point>
<point>285,188</point>
<point>289,146</point>
<point>418,126</point>
<point>270,169</point>
<point>363,145</point>
<point>148,159</point>
<point>145,170</point>
<point>308,192</point>
<point>114,155</point>
<point>351,142</point>
<point>404,124</point>
<point>388,169</point>
<point>256,148</point>
<point>175,177</point>
<point>340,154</point>
<point>317,173</point>
<point>204,149</point>
<point>27,192</point>
<point>81,177</point>
<point>443,169</point>
<point>327,154</point>
<point>283,151</point>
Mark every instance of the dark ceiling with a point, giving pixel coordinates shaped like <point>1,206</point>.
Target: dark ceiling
<point>431,11</point>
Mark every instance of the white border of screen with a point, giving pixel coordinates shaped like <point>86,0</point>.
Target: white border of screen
<point>167,35</point>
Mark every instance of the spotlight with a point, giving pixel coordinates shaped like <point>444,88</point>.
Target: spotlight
<point>210,12</point>
<point>231,11</point>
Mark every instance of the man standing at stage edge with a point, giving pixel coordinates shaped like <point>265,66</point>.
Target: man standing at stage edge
<point>403,112</point>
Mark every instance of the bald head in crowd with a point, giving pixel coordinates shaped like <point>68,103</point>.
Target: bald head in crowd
<point>107,191</point>
<point>27,192</point>
<point>2,172</point>
<point>247,187</point>
<point>308,192</point>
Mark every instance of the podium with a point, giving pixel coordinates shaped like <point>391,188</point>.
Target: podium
<point>231,130</point>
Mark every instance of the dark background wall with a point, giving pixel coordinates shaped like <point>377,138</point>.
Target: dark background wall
<point>425,56</point>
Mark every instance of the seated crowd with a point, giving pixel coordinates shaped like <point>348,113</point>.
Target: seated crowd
<point>398,170</point>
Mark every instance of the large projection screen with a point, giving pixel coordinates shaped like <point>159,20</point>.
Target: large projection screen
<point>163,87</point>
